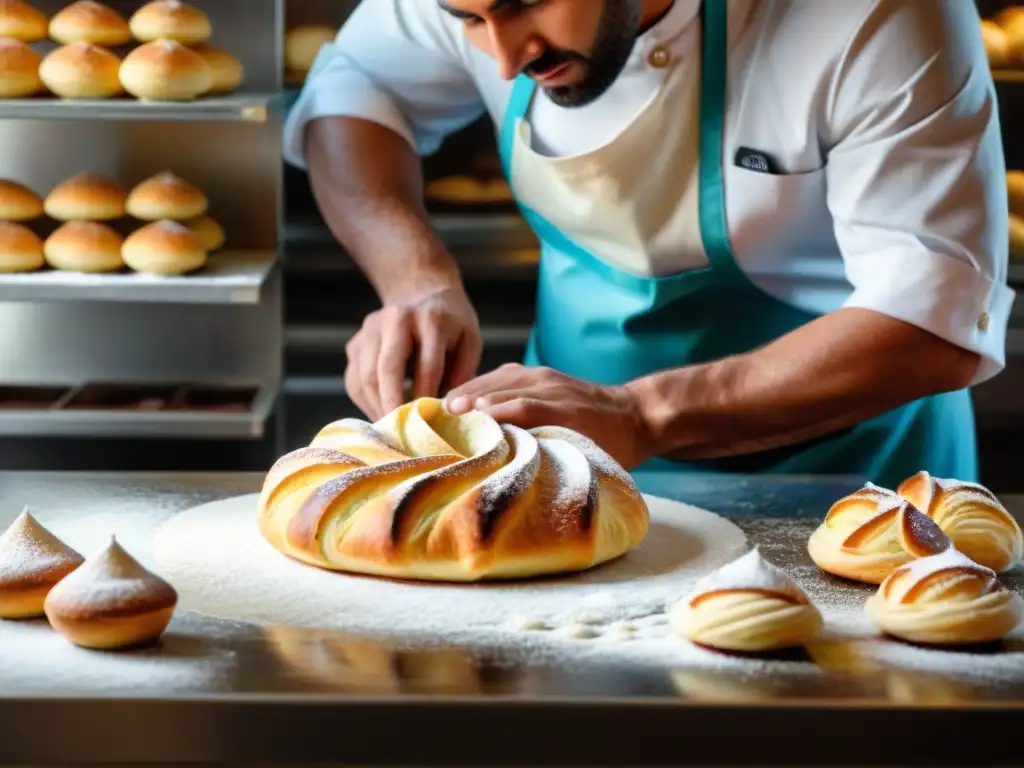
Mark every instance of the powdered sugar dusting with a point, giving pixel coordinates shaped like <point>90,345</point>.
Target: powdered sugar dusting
<point>575,478</point>
<point>173,227</point>
<point>753,572</point>
<point>597,456</point>
<point>916,570</point>
<point>28,551</point>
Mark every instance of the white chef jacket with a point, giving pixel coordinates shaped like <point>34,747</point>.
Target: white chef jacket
<point>890,102</point>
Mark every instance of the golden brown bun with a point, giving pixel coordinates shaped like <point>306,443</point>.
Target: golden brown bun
<point>166,196</point>
<point>209,233</point>
<point>32,562</point>
<point>872,532</point>
<point>111,602</point>
<point>18,202</point>
<point>947,599</point>
<point>88,21</point>
<point>81,71</point>
<point>302,44</point>
<point>84,246</point>
<point>1009,16</point>
<point>426,495</point>
<point>21,250</point>
<point>164,70</point>
<point>163,248</point>
<point>997,44</point>
<point>19,70</point>
<point>1016,237</point>
<point>86,197</point>
<point>469,190</point>
<point>971,515</point>
<point>170,20</point>
<point>228,72</point>
<point>21,21</point>
<point>1015,191</point>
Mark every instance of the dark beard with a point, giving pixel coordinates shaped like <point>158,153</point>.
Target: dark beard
<point>616,35</point>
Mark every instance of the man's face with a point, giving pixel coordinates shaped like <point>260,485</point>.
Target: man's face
<point>574,49</point>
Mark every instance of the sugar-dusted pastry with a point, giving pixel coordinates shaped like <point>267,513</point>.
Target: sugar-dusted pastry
<point>171,20</point>
<point>424,494</point>
<point>84,246</point>
<point>946,599</point>
<point>210,233</point>
<point>165,70</point>
<point>228,72</point>
<point>303,43</point>
<point>89,21</point>
<point>32,561</point>
<point>111,602</point>
<point>21,250</point>
<point>166,196</point>
<point>18,202</point>
<point>81,71</point>
<point>870,533</point>
<point>86,196</point>
<point>972,517</point>
<point>21,21</point>
<point>19,70</point>
<point>748,605</point>
<point>163,248</point>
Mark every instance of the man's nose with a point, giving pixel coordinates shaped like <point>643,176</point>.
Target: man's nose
<point>512,49</point>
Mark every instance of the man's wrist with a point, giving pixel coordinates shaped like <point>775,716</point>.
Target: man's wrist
<point>422,279</point>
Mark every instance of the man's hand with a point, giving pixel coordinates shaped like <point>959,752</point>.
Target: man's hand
<point>439,330</point>
<point>537,397</point>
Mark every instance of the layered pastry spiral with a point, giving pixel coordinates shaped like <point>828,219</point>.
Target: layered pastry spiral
<point>748,605</point>
<point>971,515</point>
<point>946,599</point>
<point>422,494</point>
<point>872,532</point>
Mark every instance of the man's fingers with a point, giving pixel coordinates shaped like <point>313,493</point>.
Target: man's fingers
<point>526,412</point>
<point>396,346</point>
<point>430,358</point>
<point>502,379</point>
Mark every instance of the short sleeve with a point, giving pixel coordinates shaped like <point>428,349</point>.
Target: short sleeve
<point>398,63</point>
<point>917,178</point>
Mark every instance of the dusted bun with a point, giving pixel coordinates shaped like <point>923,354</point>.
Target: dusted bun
<point>18,202</point>
<point>81,71</point>
<point>19,70</point>
<point>165,70</point>
<point>209,232</point>
<point>170,20</point>
<point>88,21</point>
<point>228,72</point>
<point>166,196</point>
<point>86,197</point>
<point>84,246</point>
<point>21,21</point>
<point>163,248</point>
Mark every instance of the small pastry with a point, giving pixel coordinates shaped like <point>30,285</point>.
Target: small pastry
<point>32,561</point>
<point>166,196</point>
<point>18,202</point>
<point>21,250</point>
<point>86,197</point>
<point>997,44</point>
<point>21,21</point>
<point>84,246</point>
<point>869,534</point>
<point>111,602</point>
<point>971,515</point>
<point>748,605</point>
<point>1016,237</point>
<point>81,71</point>
<point>19,70</point>
<point>88,21</point>
<point>170,20</point>
<point>302,45</point>
<point>1015,191</point>
<point>209,233</point>
<point>164,70</point>
<point>228,72</point>
<point>947,599</point>
<point>163,248</point>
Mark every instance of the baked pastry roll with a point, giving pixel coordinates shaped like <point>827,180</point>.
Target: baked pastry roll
<point>872,532</point>
<point>972,517</point>
<point>32,562</point>
<point>748,605</point>
<point>946,599</point>
<point>423,494</point>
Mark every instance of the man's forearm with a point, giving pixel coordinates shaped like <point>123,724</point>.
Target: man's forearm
<point>368,184</point>
<point>836,371</point>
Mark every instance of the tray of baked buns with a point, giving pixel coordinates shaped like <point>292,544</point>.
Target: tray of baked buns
<point>89,60</point>
<point>136,409</point>
<point>92,237</point>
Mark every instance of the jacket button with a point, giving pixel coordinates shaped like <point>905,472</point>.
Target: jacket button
<point>983,321</point>
<point>658,58</point>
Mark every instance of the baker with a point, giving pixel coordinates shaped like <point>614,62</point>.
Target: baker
<point>774,234</point>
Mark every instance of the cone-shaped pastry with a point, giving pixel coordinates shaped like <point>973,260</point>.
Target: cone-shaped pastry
<point>971,515</point>
<point>748,605</point>
<point>869,534</point>
<point>32,561</point>
<point>110,602</point>
<point>947,599</point>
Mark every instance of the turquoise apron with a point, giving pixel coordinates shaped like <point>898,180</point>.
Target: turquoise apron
<point>601,324</point>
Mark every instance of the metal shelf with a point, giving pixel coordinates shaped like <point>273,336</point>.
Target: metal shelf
<point>243,107</point>
<point>230,277</point>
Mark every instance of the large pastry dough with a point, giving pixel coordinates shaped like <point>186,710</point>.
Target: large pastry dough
<point>971,515</point>
<point>423,494</point>
<point>872,532</point>
<point>748,605</point>
<point>946,599</point>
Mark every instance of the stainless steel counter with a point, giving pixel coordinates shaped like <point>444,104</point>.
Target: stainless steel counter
<point>297,697</point>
